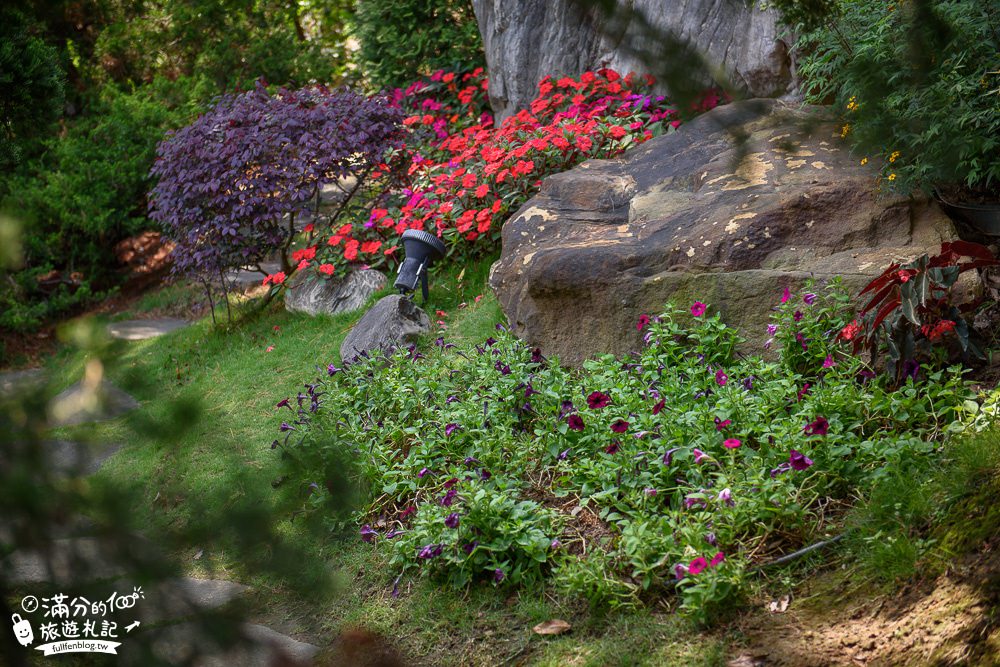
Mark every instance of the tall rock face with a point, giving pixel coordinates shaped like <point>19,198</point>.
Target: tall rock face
<point>680,219</point>
<point>526,40</point>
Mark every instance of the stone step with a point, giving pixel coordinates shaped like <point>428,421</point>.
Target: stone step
<point>14,380</point>
<point>79,404</point>
<point>145,329</point>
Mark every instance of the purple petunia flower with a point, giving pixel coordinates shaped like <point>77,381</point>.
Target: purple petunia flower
<point>428,551</point>
<point>911,367</point>
<point>452,399</point>
<point>575,422</point>
<point>452,520</point>
<point>721,378</point>
<point>469,460</point>
<point>597,400</point>
<point>772,329</point>
<point>450,484</point>
<point>423,473</point>
<point>619,426</point>
<point>659,406</point>
<point>783,468</point>
<point>679,571</point>
<point>797,316</point>
<point>332,370</point>
<point>536,356</point>
<point>555,544</point>
<point>485,474</point>
<point>469,547</point>
<point>809,299</point>
<point>799,461</point>
<point>690,502</point>
<point>448,498</point>
<point>368,534</point>
<point>563,455</point>
<point>285,426</point>
<point>711,539</point>
<point>819,426</point>
<point>503,368</point>
<point>726,496</point>
<point>490,342</point>
<point>498,575</point>
<point>283,403</point>
<point>668,457</point>
<point>450,428</point>
<point>393,533</point>
<point>699,455</point>
<point>567,407</point>
<point>651,493</point>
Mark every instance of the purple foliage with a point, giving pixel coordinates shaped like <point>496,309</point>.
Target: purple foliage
<point>226,181</point>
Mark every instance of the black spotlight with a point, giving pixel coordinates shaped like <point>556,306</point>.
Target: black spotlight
<point>422,250</point>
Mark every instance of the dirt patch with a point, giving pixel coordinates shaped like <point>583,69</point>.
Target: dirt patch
<point>583,529</point>
<point>950,620</point>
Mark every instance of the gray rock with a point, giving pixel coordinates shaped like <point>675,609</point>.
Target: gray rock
<point>13,380</point>
<point>673,220</point>
<point>392,321</point>
<point>199,645</point>
<point>80,404</point>
<point>144,329</point>
<point>526,40</point>
<point>68,560</point>
<point>251,277</point>
<point>179,598</point>
<point>74,459</point>
<point>311,293</point>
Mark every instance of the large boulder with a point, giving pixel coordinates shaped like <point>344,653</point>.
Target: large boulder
<point>311,293</point>
<point>676,219</point>
<point>393,320</point>
<point>526,40</point>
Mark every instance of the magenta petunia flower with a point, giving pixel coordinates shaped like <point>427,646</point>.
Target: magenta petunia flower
<point>613,447</point>
<point>650,492</point>
<point>819,426</point>
<point>798,316</point>
<point>809,299</point>
<point>731,443</point>
<point>721,378</point>
<point>680,570</point>
<point>423,473</point>
<point>829,362</point>
<point>786,295</point>
<point>720,424</point>
<point>772,329</point>
<point>659,406</point>
<point>804,391</point>
<point>699,455</point>
<point>575,422</point>
<point>620,426</point>
<point>698,309</point>
<point>697,566</point>
<point>717,558</point>
<point>798,460</point>
<point>726,496</point>
<point>450,484</point>
<point>598,400</point>
<point>643,321</point>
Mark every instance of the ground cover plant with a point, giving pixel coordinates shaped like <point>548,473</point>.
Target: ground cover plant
<point>673,470</point>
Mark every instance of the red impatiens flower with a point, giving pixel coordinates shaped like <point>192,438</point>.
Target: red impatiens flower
<point>850,331</point>
<point>598,400</point>
<point>327,269</point>
<point>351,250</point>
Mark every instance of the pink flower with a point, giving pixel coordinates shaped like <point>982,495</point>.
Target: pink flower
<point>698,309</point>
<point>717,558</point>
<point>699,455</point>
<point>829,362</point>
<point>786,295</point>
<point>643,321</point>
<point>721,378</point>
<point>720,424</point>
<point>731,443</point>
<point>697,566</point>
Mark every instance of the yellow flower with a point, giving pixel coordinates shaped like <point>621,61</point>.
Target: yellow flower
<point>845,130</point>
<point>894,156</point>
<point>864,160</point>
<point>892,177</point>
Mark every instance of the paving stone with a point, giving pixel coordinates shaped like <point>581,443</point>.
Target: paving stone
<point>251,277</point>
<point>71,459</point>
<point>11,380</point>
<point>191,644</point>
<point>78,405</point>
<point>69,560</point>
<point>145,329</point>
<point>177,598</point>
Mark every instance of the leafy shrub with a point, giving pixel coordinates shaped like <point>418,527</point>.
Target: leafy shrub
<point>404,40</point>
<point>661,472</point>
<point>914,313</point>
<point>79,198</point>
<point>31,87</point>
<point>231,183</point>
<point>917,84</point>
<point>467,175</point>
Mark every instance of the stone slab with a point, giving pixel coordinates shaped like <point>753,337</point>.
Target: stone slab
<point>12,380</point>
<point>145,329</point>
<point>179,598</point>
<point>69,560</point>
<point>80,404</point>
<point>195,644</point>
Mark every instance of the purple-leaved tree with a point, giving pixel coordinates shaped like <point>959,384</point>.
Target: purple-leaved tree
<point>230,184</point>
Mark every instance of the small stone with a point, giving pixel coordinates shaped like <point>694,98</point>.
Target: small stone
<point>144,329</point>
<point>310,293</point>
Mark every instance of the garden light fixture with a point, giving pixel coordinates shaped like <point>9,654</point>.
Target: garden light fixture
<point>422,249</point>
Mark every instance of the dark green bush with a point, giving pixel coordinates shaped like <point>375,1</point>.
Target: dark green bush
<point>402,41</point>
<point>31,87</point>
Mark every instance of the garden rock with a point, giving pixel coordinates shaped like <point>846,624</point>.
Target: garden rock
<point>11,381</point>
<point>392,321</point>
<point>311,293</point>
<point>144,329</point>
<point>80,404</point>
<point>525,40</point>
<point>674,220</point>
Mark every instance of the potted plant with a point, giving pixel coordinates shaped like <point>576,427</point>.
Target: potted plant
<point>919,89</point>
